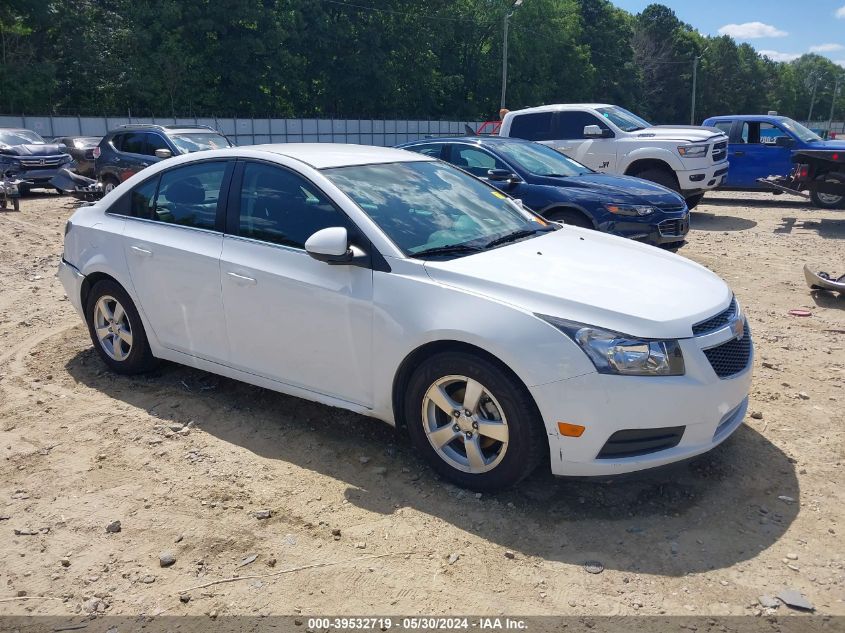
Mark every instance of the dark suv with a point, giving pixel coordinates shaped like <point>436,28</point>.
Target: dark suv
<point>31,158</point>
<point>126,150</point>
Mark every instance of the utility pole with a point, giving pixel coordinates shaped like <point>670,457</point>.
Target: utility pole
<point>833,104</point>
<point>508,15</point>
<point>694,81</point>
<point>812,100</point>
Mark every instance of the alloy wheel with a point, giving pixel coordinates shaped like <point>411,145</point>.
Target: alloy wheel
<point>465,424</point>
<point>112,327</point>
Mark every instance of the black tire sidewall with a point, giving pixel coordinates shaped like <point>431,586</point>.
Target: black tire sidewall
<point>526,444</point>
<point>814,196</point>
<point>140,357</point>
<point>662,177</point>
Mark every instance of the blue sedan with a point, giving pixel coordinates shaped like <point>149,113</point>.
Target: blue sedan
<point>561,189</point>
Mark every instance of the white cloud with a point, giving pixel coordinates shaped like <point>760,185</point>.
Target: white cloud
<point>776,56</point>
<point>752,30</point>
<point>826,48</point>
<point>840,12</point>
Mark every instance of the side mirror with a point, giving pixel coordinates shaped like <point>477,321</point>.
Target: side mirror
<point>163,153</point>
<point>502,175</point>
<point>330,245</point>
<point>784,141</point>
<point>593,131</point>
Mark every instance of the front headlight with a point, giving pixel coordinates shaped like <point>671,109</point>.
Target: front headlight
<point>629,209</point>
<point>692,151</point>
<point>615,353</point>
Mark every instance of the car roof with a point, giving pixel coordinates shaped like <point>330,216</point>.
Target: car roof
<point>747,117</point>
<point>326,155</point>
<point>168,129</point>
<point>482,139</point>
<point>555,107</point>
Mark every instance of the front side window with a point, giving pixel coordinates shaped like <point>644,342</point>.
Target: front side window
<point>571,124</point>
<point>724,127</point>
<point>428,205</point>
<point>804,133</point>
<point>134,143</point>
<point>475,161</point>
<point>279,206</point>
<point>533,127</point>
<point>154,142</point>
<point>541,160</point>
<point>188,195</point>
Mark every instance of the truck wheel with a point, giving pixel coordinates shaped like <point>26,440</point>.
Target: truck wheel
<point>693,201</point>
<point>828,200</point>
<point>661,177</point>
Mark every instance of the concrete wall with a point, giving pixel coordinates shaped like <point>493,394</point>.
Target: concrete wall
<point>257,131</point>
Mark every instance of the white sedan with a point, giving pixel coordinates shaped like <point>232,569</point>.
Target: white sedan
<point>397,286</point>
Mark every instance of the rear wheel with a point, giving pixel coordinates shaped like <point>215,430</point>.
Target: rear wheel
<point>828,200</point>
<point>116,329</point>
<point>473,421</point>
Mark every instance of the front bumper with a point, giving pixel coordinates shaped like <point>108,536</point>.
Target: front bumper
<point>72,280</point>
<point>708,408</point>
<point>707,177</point>
<point>40,177</point>
<point>658,231</point>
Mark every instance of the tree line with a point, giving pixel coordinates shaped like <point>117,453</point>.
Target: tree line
<point>382,59</point>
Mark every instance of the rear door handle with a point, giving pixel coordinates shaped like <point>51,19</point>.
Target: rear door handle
<point>143,252</point>
<point>242,280</point>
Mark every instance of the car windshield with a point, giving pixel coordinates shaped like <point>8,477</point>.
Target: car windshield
<point>198,141</point>
<point>805,134</point>
<point>86,142</point>
<point>431,205</point>
<point>20,137</point>
<point>540,160</point>
<point>624,120</point>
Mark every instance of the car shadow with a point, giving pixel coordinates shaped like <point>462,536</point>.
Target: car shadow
<point>829,229</point>
<point>828,299</point>
<point>700,221</point>
<point>765,201</point>
<point>708,513</point>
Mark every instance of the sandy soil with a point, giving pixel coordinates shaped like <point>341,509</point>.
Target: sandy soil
<point>82,448</point>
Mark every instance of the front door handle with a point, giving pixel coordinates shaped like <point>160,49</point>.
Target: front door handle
<point>242,280</point>
<point>143,252</point>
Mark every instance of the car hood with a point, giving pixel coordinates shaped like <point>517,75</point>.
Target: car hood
<point>45,149</point>
<point>593,278</point>
<point>618,189</point>
<point>690,133</point>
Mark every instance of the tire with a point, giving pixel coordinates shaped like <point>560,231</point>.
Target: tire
<point>109,183</point>
<point>826,200</point>
<point>513,442</point>
<point>123,357</point>
<point>570,217</point>
<point>693,201</point>
<point>663,177</point>
<point>16,204</point>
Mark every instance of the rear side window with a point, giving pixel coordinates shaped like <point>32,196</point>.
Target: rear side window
<point>188,196</point>
<point>532,127</point>
<point>142,199</point>
<point>281,207</point>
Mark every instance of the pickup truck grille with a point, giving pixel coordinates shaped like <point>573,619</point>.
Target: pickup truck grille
<point>41,163</point>
<point>720,150</point>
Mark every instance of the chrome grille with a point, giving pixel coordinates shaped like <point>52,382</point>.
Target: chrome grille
<point>728,359</point>
<point>674,228</point>
<point>715,322</point>
<point>41,162</point>
<point>720,150</point>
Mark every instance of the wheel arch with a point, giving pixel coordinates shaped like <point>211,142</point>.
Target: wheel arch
<point>91,279</point>
<point>425,351</point>
<point>564,207</point>
<point>642,164</point>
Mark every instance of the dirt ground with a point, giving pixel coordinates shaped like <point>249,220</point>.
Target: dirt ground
<point>82,448</point>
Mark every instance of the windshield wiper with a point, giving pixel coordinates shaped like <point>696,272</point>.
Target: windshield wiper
<point>517,235</point>
<point>556,175</point>
<point>448,249</point>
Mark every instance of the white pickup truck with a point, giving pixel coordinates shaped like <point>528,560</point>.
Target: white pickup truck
<point>607,138</point>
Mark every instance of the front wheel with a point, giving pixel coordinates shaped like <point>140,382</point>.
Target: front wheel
<point>116,329</point>
<point>828,200</point>
<point>109,183</point>
<point>473,421</point>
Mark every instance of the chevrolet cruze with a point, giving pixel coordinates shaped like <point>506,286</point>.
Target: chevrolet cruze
<point>397,286</point>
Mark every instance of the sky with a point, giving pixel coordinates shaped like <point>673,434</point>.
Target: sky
<point>780,29</point>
